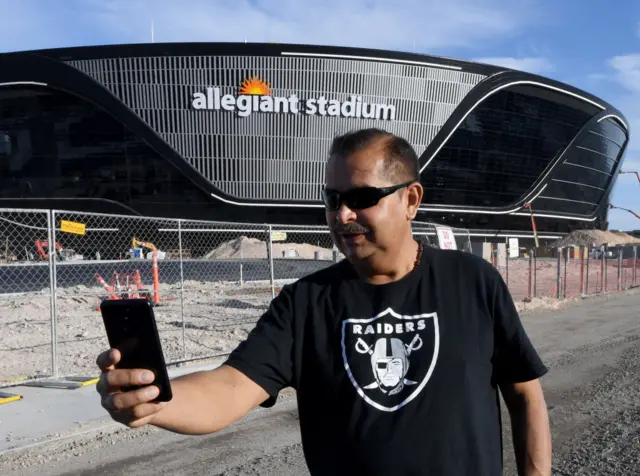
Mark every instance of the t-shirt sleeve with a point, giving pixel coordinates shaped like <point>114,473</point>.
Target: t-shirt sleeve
<point>514,359</point>
<point>266,355</point>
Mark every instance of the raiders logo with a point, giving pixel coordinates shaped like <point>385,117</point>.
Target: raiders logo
<point>390,357</point>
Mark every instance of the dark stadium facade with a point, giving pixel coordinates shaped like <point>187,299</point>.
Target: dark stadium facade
<point>240,132</point>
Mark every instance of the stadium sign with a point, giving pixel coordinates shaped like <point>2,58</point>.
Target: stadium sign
<point>255,96</point>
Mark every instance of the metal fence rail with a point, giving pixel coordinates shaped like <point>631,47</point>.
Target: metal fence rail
<point>211,281</point>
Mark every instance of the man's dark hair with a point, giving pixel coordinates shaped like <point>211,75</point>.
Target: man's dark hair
<point>401,161</point>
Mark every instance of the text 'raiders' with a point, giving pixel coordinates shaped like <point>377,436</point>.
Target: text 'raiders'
<point>397,328</point>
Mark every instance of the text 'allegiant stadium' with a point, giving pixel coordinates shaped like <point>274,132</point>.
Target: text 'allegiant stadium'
<point>246,104</point>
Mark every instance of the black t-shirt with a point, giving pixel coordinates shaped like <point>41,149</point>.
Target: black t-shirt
<point>395,379</point>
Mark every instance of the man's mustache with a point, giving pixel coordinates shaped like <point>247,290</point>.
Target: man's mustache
<point>351,229</point>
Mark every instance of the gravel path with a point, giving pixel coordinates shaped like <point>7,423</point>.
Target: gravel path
<point>592,349</point>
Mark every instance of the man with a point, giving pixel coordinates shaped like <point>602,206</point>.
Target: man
<point>397,352</point>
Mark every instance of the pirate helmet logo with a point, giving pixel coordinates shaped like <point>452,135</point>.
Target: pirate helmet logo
<point>390,362</point>
<point>399,363</point>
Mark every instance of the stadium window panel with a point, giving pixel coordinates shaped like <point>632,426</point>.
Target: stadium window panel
<point>610,129</point>
<point>588,158</point>
<point>544,203</point>
<point>576,173</point>
<point>66,147</point>
<point>503,146</point>
<point>586,172</point>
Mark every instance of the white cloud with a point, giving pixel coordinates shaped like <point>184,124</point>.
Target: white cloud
<point>626,70</point>
<point>535,65</point>
<point>620,81</point>
<point>431,24</point>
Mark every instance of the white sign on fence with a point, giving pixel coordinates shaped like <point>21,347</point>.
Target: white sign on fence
<point>514,248</point>
<point>446,238</point>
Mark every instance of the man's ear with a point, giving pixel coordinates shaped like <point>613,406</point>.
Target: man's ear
<point>414,195</point>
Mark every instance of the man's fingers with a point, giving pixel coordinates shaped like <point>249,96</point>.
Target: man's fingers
<point>128,377</point>
<point>139,415</point>
<point>146,409</point>
<point>108,359</point>
<point>126,401</point>
<point>103,387</point>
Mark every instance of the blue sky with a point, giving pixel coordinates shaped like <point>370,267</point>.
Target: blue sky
<point>592,45</point>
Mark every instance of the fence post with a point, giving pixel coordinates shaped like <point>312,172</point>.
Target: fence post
<point>635,264</point>
<point>582,270</point>
<point>51,225</point>
<point>494,255</point>
<point>558,277</point>
<point>506,260</point>
<point>530,272</point>
<point>603,281</point>
<point>270,257</point>
<point>606,268</point>
<point>184,340</point>
<point>586,280</point>
<point>619,249</point>
<point>535,272</point>
<point>564,284</point>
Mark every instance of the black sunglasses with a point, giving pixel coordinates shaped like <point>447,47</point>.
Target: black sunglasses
<point>358,198</point>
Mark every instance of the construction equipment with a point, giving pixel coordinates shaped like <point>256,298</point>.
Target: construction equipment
<point>154,265</point>
<point>533,224</point>
<point>625,209</point>
<point>63,254</point>
<point>637,174</point>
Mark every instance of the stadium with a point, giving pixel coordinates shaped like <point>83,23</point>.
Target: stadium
<point>239,132</point>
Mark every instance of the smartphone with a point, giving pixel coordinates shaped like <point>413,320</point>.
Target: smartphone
<point>131,328</point>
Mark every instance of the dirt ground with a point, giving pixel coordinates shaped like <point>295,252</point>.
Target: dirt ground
<point>217,317</point>
<point>591,346</point>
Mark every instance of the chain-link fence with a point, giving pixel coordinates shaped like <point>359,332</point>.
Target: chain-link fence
<point>26,297</point>
<point>114,257</point>
<point>566,272</point>
<point>226,284</point>
<point>209,281</point>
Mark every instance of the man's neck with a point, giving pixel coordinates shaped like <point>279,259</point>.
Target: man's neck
<point>393,266</point>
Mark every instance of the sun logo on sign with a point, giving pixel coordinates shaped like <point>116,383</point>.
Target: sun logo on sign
<point>255,86</point>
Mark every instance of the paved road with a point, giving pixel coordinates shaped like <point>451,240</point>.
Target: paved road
<point>593,392</point>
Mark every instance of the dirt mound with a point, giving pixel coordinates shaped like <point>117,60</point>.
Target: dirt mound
<point>241,247</point>
<point>596,238</point>
<point>253,248</point>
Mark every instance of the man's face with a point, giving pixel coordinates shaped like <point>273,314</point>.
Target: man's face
<point>361,233</point>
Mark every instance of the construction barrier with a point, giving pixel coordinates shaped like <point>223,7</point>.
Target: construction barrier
<point>568,272</point>
<point>209,282</point>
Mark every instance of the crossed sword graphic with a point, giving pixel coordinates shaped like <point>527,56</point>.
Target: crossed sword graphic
<point>363,348</point>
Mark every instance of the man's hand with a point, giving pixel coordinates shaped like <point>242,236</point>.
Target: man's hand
<point>133,408</point>
<point>530,427</point>
<point>203,402</point>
